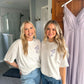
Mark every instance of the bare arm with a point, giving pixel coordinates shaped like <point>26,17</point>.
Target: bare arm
<point>12,64</point>
<point>63,74</point>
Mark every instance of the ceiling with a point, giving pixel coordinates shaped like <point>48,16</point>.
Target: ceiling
<point>17,4</point>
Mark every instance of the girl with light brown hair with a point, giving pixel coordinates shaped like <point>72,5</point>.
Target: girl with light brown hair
<point>54,55</point>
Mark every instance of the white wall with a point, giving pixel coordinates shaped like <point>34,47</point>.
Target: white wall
<point>32,11</point>
<point>49,9</point>
<point>39,4</point>
<point>35,9</point>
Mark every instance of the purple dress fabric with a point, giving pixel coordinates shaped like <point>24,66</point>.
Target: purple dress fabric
<point>73,34</point>
<point>80,70</point>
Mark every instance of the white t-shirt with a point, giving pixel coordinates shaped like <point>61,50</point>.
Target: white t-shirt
<point>51,61</point>
<point>26,63</point>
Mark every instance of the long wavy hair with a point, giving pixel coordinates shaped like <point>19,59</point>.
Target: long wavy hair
<point>23,38</point>
<point>59,39</point>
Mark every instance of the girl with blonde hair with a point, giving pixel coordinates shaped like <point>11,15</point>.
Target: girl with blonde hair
<point>26,51</point>
<point>54,55</point>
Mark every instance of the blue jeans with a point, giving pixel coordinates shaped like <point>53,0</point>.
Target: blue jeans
<point>32,78</point>
<point>50,80</point>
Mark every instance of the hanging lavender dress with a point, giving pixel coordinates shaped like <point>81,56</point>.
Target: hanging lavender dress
<point>80,70</point>
<point>69,38</point>
<point>72,28</point>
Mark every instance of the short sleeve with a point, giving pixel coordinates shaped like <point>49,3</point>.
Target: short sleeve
<point>12,52</point>
<point>64,62</point>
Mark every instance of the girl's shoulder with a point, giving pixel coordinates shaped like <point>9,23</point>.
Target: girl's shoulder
<point>36,40</point>
<point>44,43</point>
<point>16,42</point>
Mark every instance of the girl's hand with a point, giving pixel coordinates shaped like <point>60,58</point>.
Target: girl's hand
<point>14,64</point>
<point>20,73</point>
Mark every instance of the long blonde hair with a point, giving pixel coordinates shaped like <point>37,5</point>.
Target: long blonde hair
<point>59,39</point>
<point>23,38</point>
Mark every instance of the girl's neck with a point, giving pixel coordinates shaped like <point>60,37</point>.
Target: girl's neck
<point>51,40</point>
<point>30,39</point>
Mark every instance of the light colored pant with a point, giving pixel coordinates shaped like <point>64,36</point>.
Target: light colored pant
<point>32,78</point>
<point>50,80</point>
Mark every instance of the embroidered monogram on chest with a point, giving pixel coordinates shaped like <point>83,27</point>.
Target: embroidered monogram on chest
<point>52,52</point>
<point>37,48</point>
